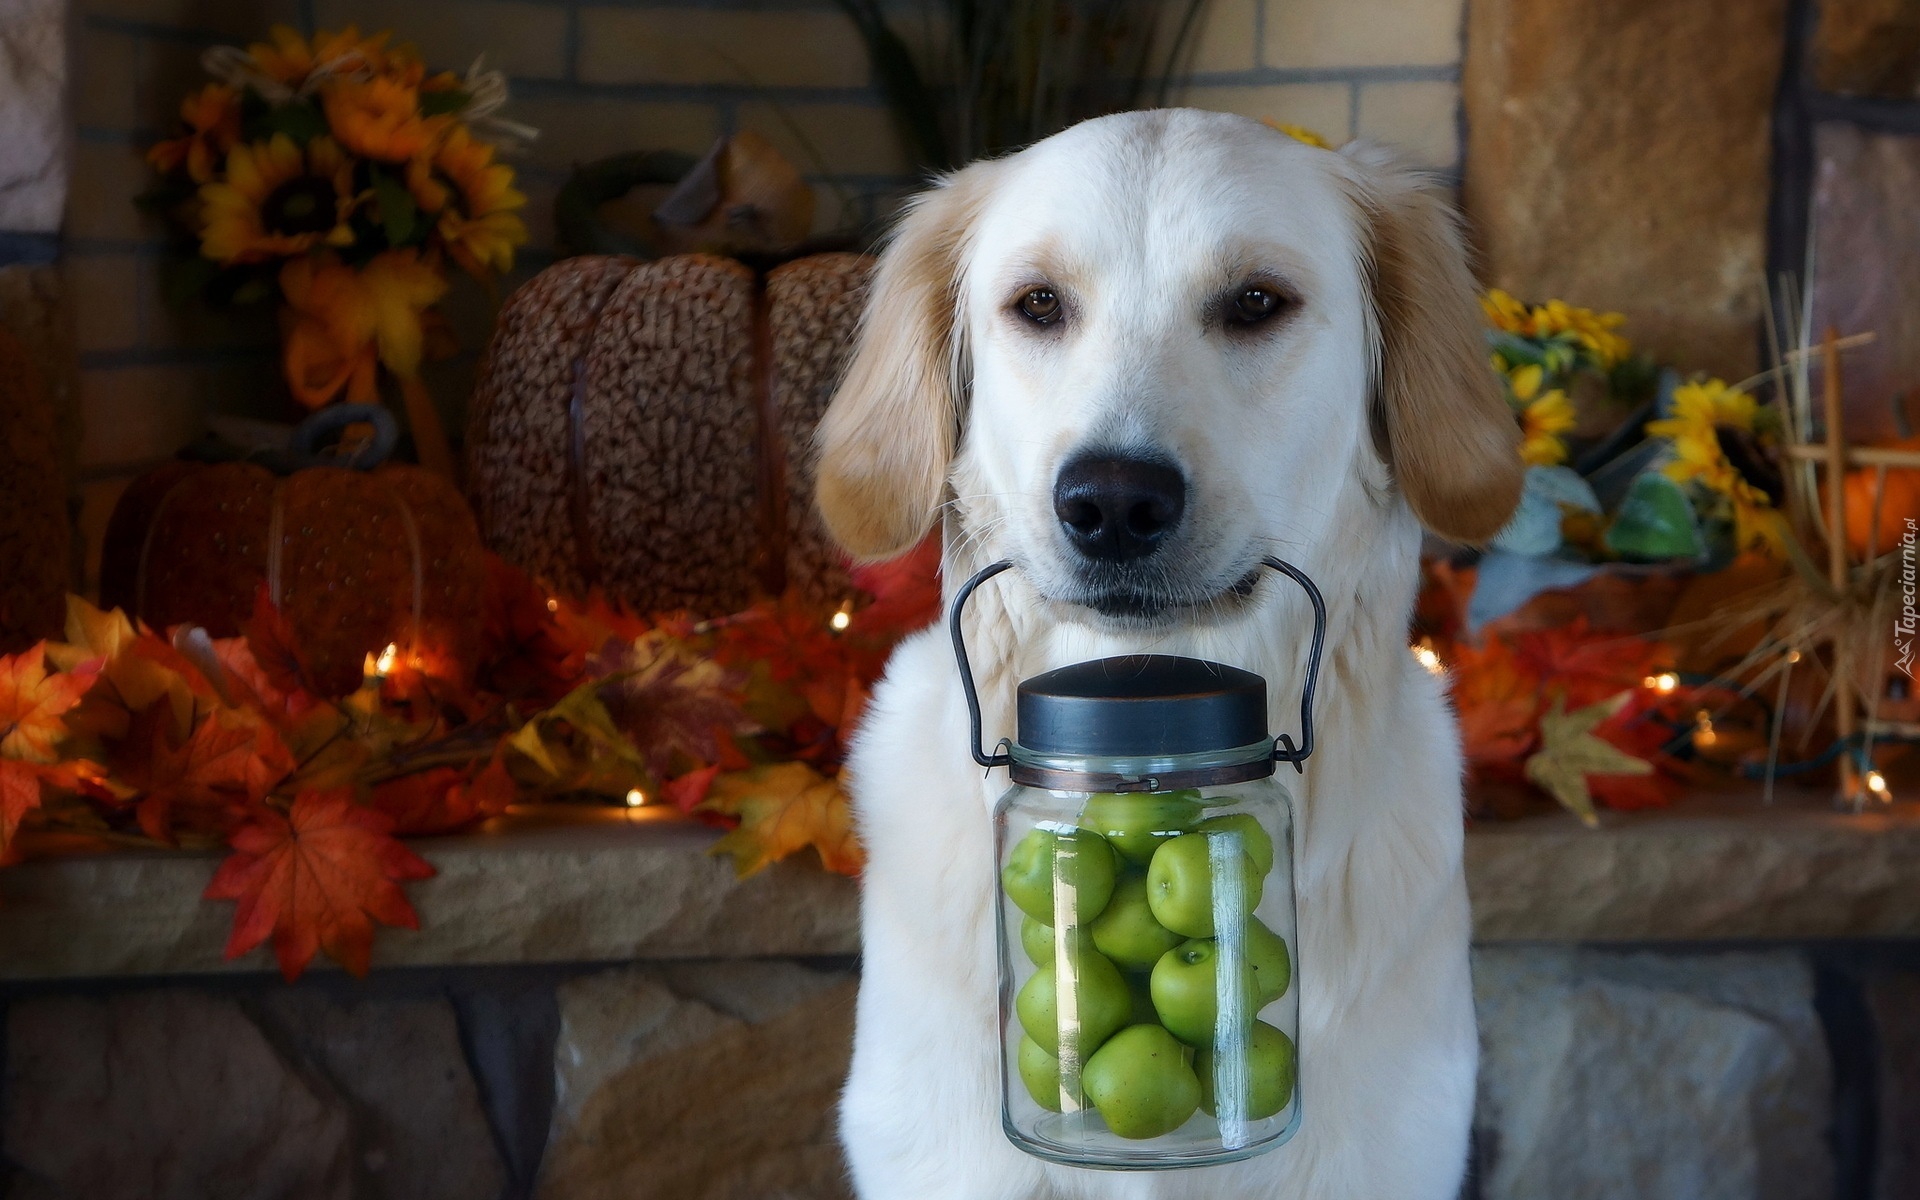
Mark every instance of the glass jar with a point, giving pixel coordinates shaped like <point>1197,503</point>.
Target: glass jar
<point>1149,991</point>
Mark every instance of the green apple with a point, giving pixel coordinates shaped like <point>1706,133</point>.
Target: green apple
<point>1037,940</point>
<point>1141,1083</point>
<point>1126,932</point>
<point>1186,987</point>
<point>1040,1071</point>
<point>1180,885</point>
<point>1101,1005</point>
<point>1078,858</point>
<point>1272,965</point>
<point>1269,1074</point>
<point>1137,822</point>
<point>1254,838</point>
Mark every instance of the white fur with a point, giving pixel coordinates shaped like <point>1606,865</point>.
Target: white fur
<point>1138,218</point>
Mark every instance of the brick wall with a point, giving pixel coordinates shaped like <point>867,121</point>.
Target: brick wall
<point>598,79</point>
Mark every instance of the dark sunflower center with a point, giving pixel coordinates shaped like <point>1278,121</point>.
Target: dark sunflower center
<point>303,205</point>
<point>1746,455</point>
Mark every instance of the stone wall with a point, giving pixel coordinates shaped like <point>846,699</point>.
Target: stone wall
<point>1758,1074</point>
<point>599,77</point>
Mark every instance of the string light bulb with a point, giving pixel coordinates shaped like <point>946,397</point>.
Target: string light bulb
<point>1703,734</point>
<point>635,798</point>
<point>553,604</point>
<point>841,618</point>
<point>1877,784</point>
<point>1663,683</point>
<point>1793,656</point>
<point>383,666</point>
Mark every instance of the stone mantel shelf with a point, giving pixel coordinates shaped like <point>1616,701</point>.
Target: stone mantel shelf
<point>605,885</point>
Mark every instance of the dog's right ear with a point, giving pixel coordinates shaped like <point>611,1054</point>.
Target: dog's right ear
<point>888,439</point>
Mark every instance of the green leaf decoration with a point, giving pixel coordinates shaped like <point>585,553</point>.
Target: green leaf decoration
<point>298,120</point>
<point>1535,528</point>
<point>440,104</point>
<point>1569,752</point>
<point>1655,523</point>
<point>398,213</point>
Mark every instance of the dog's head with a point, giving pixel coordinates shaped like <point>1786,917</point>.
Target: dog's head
<point>1145,352</point>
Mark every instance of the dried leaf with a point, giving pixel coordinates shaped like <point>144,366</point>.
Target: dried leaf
<point>1569,752</point>
<point>784,808</point>
<point>276,648</point>
<point>226,761</point>
<point>445,799</point>
<point>1497,701</point>
<point>316,879</point>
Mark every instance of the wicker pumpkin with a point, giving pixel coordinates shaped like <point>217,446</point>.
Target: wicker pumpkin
<point>645,427</point>
<point>33,497</point>
<point>355,559</point>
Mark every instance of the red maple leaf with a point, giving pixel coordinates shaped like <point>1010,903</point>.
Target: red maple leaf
<point>524,656</point>
<point>686,792</point>
<point>316,879</point>
<point>223,762</point>
<point>1497,699</point>
<point>445,799</point>
<point>905,591</point>
<point>19,795</point>
<point>1588,666</point>
<point>275,646</point>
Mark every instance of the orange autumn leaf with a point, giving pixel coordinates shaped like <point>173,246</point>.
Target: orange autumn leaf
<point>19,795</point>
<point>1497,702</point>
<point>316,879</point>
<point>905,591</point>
<point>275,647</point>
<point>32,701</point>
<point>784,808</point>
<point>445,799</point>
<point>225,761</point>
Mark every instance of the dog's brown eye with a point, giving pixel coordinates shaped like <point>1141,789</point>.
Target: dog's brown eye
<point>1041,306</point>
<point>1255,304</point>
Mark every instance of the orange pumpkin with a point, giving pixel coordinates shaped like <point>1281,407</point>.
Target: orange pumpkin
<point>1899,503</point>
<point>356,559</point>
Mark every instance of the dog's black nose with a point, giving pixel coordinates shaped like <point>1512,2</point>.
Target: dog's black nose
<point>1117,508</point>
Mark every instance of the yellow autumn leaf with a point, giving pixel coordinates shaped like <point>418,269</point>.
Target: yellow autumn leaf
<point>137,678</point>
<point>784,808</point>
<point>1569,752</point>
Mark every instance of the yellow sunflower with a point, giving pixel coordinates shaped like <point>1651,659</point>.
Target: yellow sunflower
<point>1504,312</point>
<point>1706,415</point>
<point>473,199</point>
<point>277,201</point>
<point>379,118</point>
<point>1541,424</point>
<point>290,58</point>
<point>1525,380</point>
<point>212,117</point>
<point>1593,330</point>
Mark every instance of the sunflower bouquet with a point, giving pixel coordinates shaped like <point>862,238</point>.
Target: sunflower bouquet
<point>338,176</point>
<point>1629,467</point>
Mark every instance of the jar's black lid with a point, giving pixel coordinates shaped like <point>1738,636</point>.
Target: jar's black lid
<point>1141,705</point>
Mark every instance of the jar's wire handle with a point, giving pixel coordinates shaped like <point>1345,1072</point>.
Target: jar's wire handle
<point>1283,748</point>
<point>960,599</point>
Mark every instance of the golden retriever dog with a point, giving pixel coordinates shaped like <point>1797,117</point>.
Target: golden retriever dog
<point>1134,359</point>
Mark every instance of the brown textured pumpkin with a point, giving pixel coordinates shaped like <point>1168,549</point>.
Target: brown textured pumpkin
<point>33,505</point>
<point>355,559</point>
<point>646,427</point>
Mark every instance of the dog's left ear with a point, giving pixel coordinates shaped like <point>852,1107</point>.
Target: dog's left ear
<point>887,441</point>
<point>1439,418</point>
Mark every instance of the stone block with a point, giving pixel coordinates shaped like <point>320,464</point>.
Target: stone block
<point>769,48</point>
<point>1225,37</point>
<point>1866,267</point>
<point>166,1095</point>
<point>1893,997</point>
<point>1325,108</point>
<point>1699,1077</point>
<point>1869,47</point>
<point>107,294</point>
<point>419,1130</point>
<point>713,1081</point>
<point>1362,33</point>
<point>33,137</point>
<point>527,41</point>
<point>1618,158</point>
<point>106,178</point>
<point>236,20</point>
<point>102,61</point>
<point>1421,120</point>
<point>831,139</point>
<point>575,130</point>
